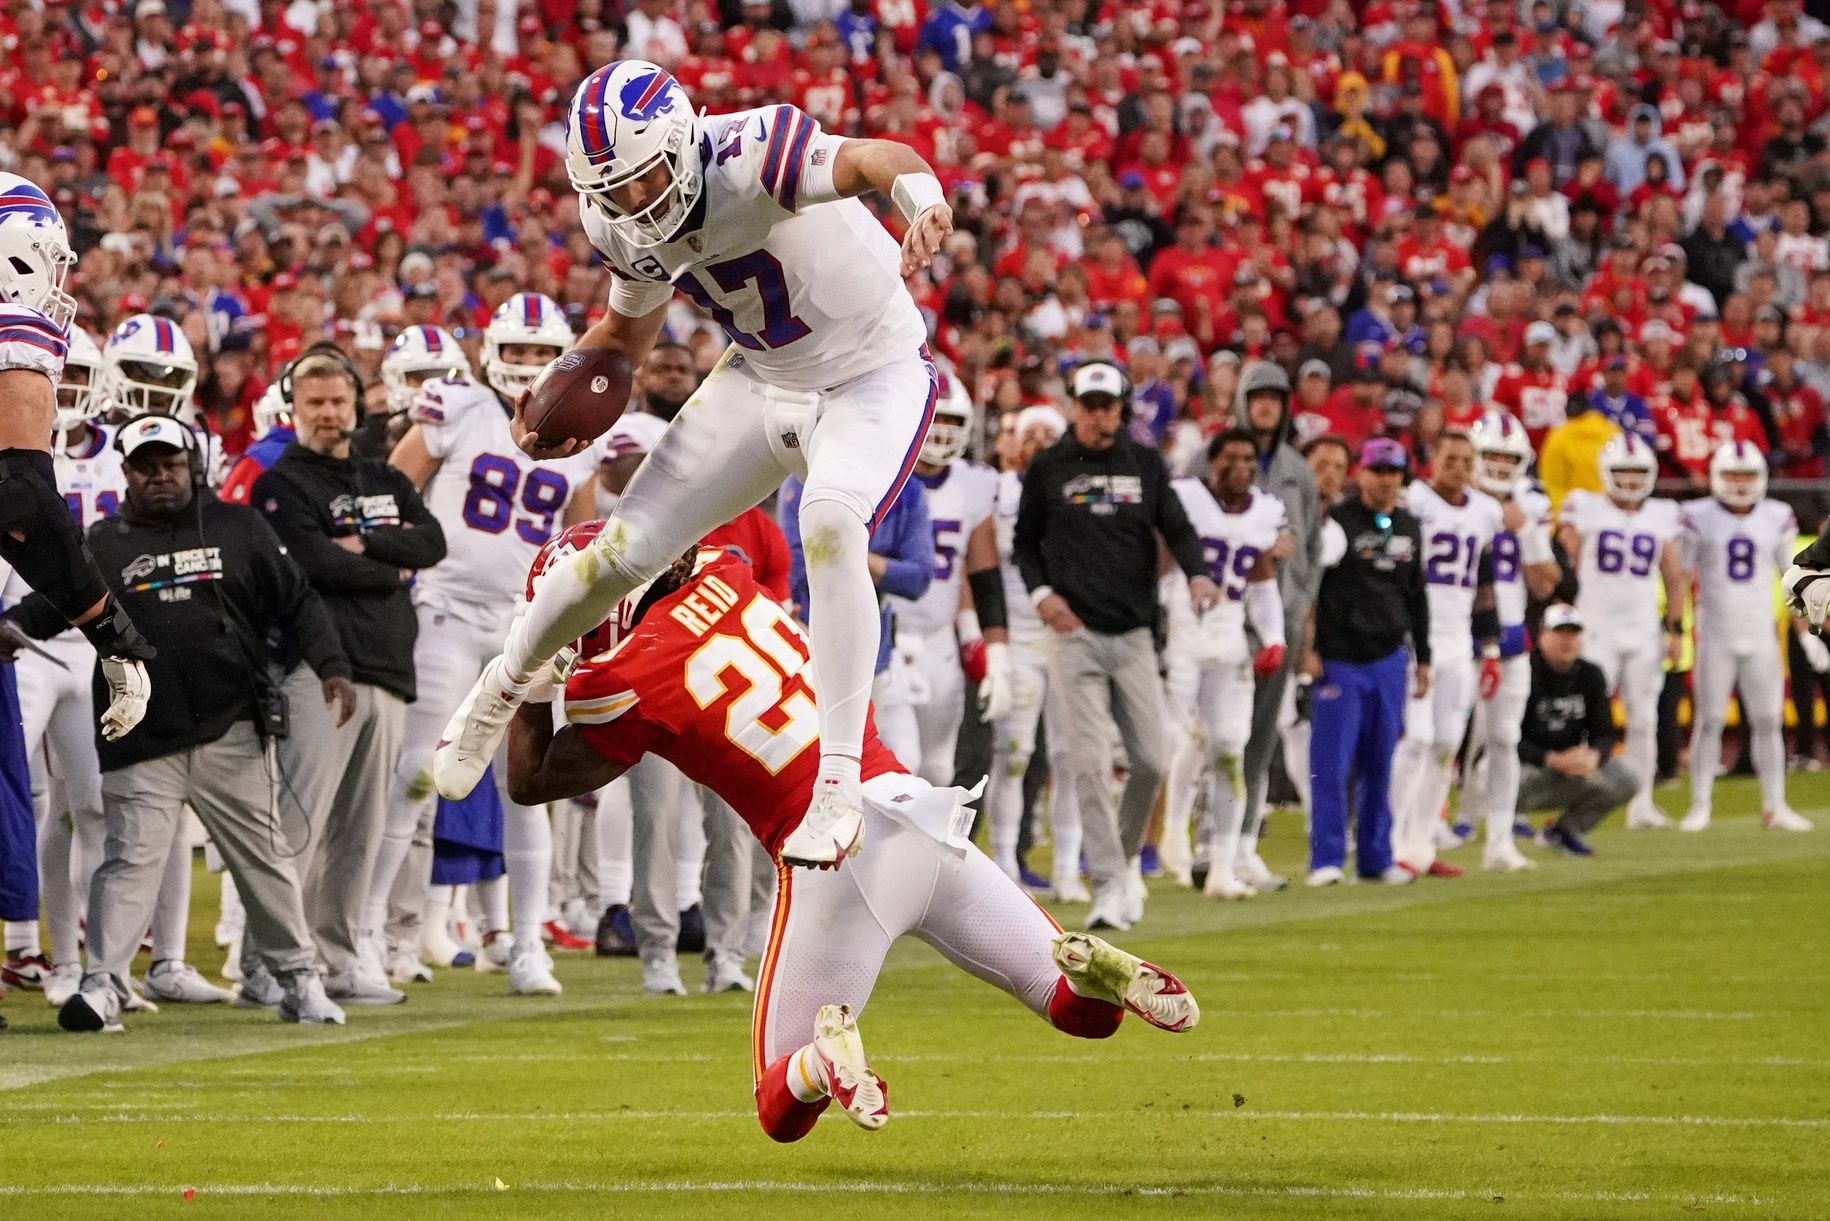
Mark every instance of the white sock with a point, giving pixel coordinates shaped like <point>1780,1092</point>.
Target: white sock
<point>22,936</point>
<point>530,866</point>
<point>492,903</point>
<point>807,1075</point>
<point>571,599</point>
<point>436,919</point>
<point>845,629</point>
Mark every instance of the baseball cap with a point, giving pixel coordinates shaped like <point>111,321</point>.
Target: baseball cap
<point>1098,378</point>
<point>1182,348</point>
<point>635,432</point>
<point>1656,328</point>
<point>1383,454</point>
<point>1562,617</point>
<point>136,435</point>
<point>1043,415</point>
<point>1315,367</point>
<point>1540,332</point>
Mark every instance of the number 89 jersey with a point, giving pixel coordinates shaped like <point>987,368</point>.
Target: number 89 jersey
<point>715,680</point>
<point>1737,558</point>
<point>496,504</point>
<point>1231,546</point>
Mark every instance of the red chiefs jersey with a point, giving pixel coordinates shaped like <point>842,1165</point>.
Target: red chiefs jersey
<point>1798,412</point>
<point>1536,397</point>
<point>715,680</point>
<point>1689,433</point>
<point>753,536</point>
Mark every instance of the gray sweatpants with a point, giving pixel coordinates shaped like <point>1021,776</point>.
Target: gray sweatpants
<point>229,782</point>
<point>1580,804</point>
<point>739,876</point>
<point>1266,738</point>
<point>658,794</point>
<point>334,780</point>
<point>1095,682</point>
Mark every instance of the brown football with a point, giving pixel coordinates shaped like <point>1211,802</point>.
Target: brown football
<point>579,396</point>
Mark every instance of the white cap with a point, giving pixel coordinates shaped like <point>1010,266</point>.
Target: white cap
<point>635,432</point>
<point>154,430</point>
<point>1562,615</point>
<point>1040,414</point>
<point>1098,378</point>
<point>1540,332</point>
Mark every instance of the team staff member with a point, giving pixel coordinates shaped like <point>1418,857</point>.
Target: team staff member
<point>359,530</point>
<point>1092,507</point>
<point>1372,603</point>
<point>206,581</point>
<point>1567,742</point>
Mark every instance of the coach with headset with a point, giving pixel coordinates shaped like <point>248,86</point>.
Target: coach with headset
<point>1093,507</point>
<point>359,529</point>
<point>206,582</point>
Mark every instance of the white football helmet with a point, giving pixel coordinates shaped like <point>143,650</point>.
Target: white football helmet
<point>951,428</point>
<point>35,254</point>
<point>271,411</point>
<point>77,401</point>
<point>1629,468</point>
<point>417,353</point>
<point>1502,453</point>
<point>148,368</point>
<point>523,318</point>
<point>628,118</point>
<point>1737,474</point>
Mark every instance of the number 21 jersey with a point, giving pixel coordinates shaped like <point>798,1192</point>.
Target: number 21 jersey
<point>1737,557</point>
<point>715,681</point>
<point>1618,569</point>
<point>1455,536</point>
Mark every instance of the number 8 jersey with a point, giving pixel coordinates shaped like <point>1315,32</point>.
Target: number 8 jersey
<point>496,504</point>
<point>1737,557</point>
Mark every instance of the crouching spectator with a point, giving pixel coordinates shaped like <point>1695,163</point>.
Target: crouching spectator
<point>206,582</point>
<point>1568,733</point>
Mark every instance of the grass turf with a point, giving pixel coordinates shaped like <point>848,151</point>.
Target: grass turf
<point>1640,1034</point>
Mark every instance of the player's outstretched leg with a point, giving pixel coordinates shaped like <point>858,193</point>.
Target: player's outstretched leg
<point>1100,971</point>
<point>832,1068</point>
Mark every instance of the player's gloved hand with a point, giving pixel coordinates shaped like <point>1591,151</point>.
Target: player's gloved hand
<point>1807,592</point>
<point>1270,659</point>
<point>121,651</point>
<point>972,659</point>
<point>1817,653</point>
<point>997,687</point>
<point>1491,674</point>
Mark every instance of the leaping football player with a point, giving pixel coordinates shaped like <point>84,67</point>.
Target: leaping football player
<point>754,216</point>
<point>701,666</point>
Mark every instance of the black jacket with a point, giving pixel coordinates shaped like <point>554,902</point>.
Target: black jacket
<point>310,500</point>
<point>1567,708</point>
<point>1374,599</point>
<point>207,602</point>
<point>1087,527</point>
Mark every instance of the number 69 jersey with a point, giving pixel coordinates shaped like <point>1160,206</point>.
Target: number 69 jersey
<point>1454,539</point>
<point>1737,558</point>
<point>1231,545</point>
<point>714,679</point>
<point>496,504</point>
<point>808,284</point>
<point>1617,572</point>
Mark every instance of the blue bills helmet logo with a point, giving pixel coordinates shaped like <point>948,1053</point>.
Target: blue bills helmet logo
<point>647,97</point>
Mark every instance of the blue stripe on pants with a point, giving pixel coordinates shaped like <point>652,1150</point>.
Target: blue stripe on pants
<point>18,830</point>
<point>1358,715</point>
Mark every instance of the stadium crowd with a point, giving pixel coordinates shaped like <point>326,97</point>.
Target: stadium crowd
<point>1261,256</point>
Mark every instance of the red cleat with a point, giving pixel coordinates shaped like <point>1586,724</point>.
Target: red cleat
<point>1442,869</point>
<point>560,938</point>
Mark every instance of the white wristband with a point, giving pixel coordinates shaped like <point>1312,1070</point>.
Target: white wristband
<point>1534,544</point>
<point>1039,595</point>
<point>914,194</point>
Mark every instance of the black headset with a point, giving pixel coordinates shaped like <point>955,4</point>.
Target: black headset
<point>193,448</point>
<point>324,347</point>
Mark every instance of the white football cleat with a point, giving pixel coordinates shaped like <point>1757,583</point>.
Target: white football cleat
<point>437,948</point>
<point>1646,817</point>
<point>473,733</point>
<point>62,984</point>
<point>661,975</point>
<point>725,973</point>
<point>1225,886</point>
<point>259,990</point>
<point>358,987</point>
<point>1696,820</point>
<point>306,1003</point>
<point>1327,875</point>
<point>1785,819</point>
<point>1251,869</point>
<point>1099,969</point>
<point>831,829</point>
<point>849,1079</point>
<point>530,973</point>
<point>1398,875</point>
<point>94,1007</point>
<point>178,982</point>
<point>405,967</point>
<point>498,951</point>
<point>1506,858</point>
<point>1445,836</point>
<point>1108,909</point>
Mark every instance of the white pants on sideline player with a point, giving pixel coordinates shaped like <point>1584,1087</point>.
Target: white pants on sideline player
<point>935,656</point>
<point>1211,704</point>
<point>730,446</point>
<point>1753,666</point>
<point>453,647</point>
<point>1293,735</point>
<point>1490,781</point>
<point>615,846</point>
<point>1013,745</point>
<point>1635,670</point>
<point>1425,763</point>
<point>894,692</point>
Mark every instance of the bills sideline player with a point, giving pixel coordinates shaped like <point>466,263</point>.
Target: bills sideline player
<point>1210,661</point>
<point>38,537</point>
<point>941,631</point>
<point>1524,566</point>
<point>1459,523</point>
<point>1626,543</point>
<point>460,450</point>
<point>1735,541</point>
<point>701,666</point>
<point>753,215</point>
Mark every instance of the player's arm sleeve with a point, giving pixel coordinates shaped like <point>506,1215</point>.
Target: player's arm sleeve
<point>29,341</point>
<point>327,565</point>
<point>909,554</point>
<point>37,617</point>
<point>419,542</point>
<point>798,159</point>
<point>637,298</point>
<point>1817,555</point>
<point>292,602</point>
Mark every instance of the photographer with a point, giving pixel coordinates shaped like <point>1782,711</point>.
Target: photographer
<point>206,581</point>
<point>359,530</point>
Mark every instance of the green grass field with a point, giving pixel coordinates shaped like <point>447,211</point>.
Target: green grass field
<point>1641,1034</point>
